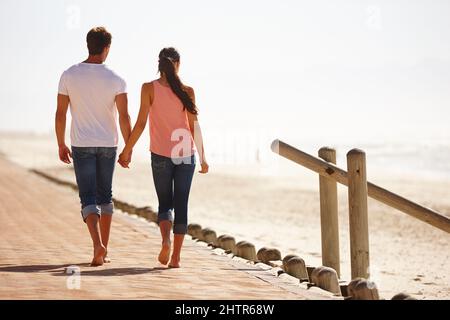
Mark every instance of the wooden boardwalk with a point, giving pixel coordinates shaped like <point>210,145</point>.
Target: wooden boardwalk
<point>42,237</point>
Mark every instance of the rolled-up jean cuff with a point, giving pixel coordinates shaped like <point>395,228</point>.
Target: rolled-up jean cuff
<point>88,210</point>
<point>107,208</point>
<point>165,216</point>
<point>180,229</point>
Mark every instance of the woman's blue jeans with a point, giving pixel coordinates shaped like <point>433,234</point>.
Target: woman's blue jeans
<point>173,179</point>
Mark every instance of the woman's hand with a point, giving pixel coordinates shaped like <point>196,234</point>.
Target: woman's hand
<point>205,167</point>
<point>125,158</point>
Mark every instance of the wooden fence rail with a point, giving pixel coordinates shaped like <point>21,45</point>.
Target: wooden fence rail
<point>378,193</point>
<point>358,191</point>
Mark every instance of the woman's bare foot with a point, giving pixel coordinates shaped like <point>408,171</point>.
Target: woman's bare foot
<point>165,253</point>
<point>174,262</point>
<point>99,254</point>
<point>106,259</point>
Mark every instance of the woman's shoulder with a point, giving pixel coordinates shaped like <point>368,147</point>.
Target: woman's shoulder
<point>148,90</point>
<point>148,85</point>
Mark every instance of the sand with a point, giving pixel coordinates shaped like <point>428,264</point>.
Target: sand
<point>282,211</point>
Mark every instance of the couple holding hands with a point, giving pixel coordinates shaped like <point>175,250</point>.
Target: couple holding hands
<point>95,95</point>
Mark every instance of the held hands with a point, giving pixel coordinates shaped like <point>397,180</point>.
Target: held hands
<point>64,154</point>
<point>125,158</point>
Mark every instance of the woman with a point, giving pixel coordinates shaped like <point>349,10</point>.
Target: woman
<point>174,129</point>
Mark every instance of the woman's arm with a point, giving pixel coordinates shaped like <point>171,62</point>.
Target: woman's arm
<point>141,122</point>
<point>196,132</point>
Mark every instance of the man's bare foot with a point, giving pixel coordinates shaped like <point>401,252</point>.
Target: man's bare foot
<point>174,262</point>
<point>99,254</point>
<point>164,255</point>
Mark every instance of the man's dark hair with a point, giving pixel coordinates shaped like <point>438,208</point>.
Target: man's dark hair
<point>98,39</point>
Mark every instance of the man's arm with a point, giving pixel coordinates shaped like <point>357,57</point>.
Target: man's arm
<point>60,128</point>
<point>124,117</point>
<point>125,156</point>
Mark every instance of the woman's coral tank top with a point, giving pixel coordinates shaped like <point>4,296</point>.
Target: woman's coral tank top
<point>170,134</point>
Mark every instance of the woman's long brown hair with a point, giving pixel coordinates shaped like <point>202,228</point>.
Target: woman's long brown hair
<point>167,58</point>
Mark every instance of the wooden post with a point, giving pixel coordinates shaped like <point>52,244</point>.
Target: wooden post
<point>246,250</point>
<point>209,236</point>
<point>362,289</point>
<point>327,279</point>
<point>195,230</point>
<point>296,267</point>
<point>265,255</point>
<point>226,242</point>
<point>329,215</point>
<point>357,200</point>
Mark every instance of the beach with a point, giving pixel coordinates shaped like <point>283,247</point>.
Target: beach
<point>282,211</point>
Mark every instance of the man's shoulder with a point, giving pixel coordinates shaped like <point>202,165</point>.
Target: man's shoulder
<point>113,73</point>
<point>72,68</point>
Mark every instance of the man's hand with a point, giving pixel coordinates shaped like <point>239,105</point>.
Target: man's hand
<point>65,154</point>
<point>125,158</point>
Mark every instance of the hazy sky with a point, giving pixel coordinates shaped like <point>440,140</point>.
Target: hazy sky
<point>305,69</point>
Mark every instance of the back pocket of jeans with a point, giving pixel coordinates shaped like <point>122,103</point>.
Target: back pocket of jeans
<point>158,165</point>
<point>83,152</point>
<point>108,152</point>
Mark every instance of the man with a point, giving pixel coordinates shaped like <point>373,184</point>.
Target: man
<point>94,93</point>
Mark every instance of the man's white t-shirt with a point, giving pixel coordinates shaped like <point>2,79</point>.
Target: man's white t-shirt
<point>92,89</point>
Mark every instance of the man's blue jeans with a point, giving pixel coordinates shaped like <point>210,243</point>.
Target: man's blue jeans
<point>94,169</point>
<point>173,179</point>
